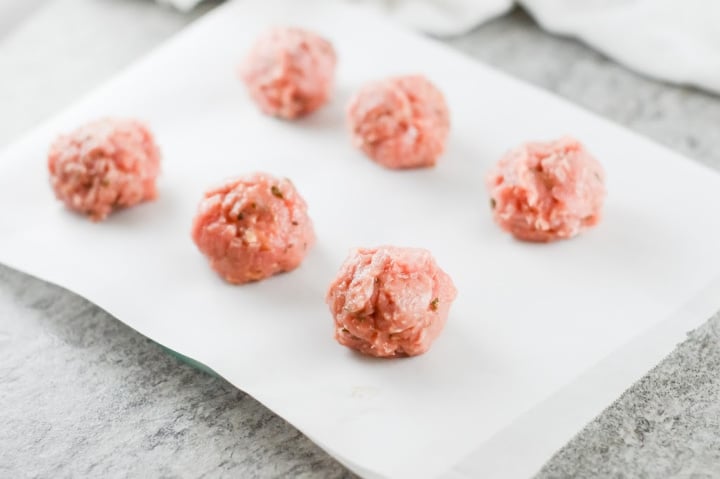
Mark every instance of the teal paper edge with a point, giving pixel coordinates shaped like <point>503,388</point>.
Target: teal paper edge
<point>189,361</point>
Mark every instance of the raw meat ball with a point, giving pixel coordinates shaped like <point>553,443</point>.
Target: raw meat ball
<point>104,165</point>
<point>253,227</point>
<point>289,72</point>
<point>400,122</point>
<point>390,301</point>
<point>546,191</point>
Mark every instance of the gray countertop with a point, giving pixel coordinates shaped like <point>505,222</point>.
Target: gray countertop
<point>82,395</point>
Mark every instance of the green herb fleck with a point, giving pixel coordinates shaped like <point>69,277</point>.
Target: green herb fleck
<point>434,304</point>
<point>276,192</point>
<point>493,203</point>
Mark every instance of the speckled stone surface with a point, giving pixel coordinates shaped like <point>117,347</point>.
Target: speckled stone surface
<point>82,395</point>
<point>666,425</point>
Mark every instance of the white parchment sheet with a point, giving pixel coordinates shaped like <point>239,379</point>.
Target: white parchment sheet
<point>528,320</point>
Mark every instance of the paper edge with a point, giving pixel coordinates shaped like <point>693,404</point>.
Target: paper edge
<point>498,457</point>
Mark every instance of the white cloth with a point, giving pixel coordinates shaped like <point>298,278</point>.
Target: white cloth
<point>672,40</point>
<point>182,5</point>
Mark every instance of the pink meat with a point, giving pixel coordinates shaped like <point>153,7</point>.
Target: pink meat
<point>253,227</point>
<point>390,301</point>
<point>289,72</point>
<point>104,165</point>
<point>400,122</point>
<point>547,191</point>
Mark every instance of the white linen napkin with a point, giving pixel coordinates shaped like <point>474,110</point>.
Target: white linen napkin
<point>182,5</point>
<point>667,39</point>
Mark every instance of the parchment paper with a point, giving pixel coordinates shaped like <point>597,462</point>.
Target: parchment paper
<point>528,320</point>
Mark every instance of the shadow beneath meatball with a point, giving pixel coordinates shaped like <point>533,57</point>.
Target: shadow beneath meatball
<point>298,296</point>
<point>304,287</point>
<point>435,199</point>
<point>330,116</point>
<point>446,367</point>
<point>463,165</point>
<point>147,213</point>
<point>458,178</point>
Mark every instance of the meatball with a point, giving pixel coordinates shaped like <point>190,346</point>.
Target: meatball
<point>104,165</point>
<point>390,301</point>
<point>289,72</point>
<point>546,191</point>
<point>253,227</point>
<point>400,122</point>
